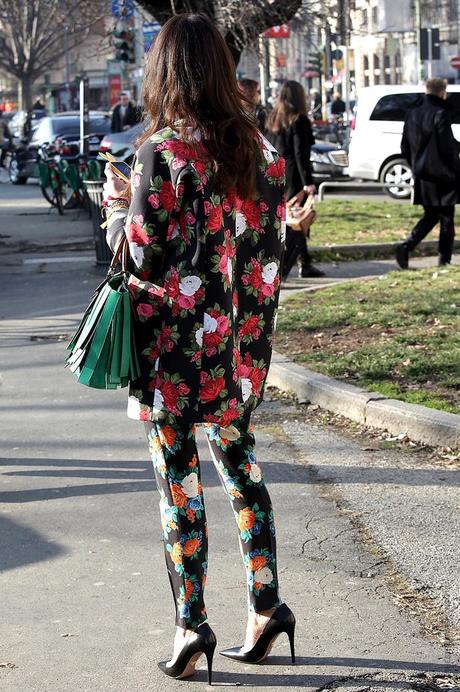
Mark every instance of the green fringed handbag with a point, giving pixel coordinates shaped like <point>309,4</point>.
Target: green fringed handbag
<point>103,350</point>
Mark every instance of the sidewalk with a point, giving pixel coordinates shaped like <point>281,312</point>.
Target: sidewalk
<point>86,603</point>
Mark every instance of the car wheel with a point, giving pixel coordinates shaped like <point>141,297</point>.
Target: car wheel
<point>14,172</point>
<point>398,172</point>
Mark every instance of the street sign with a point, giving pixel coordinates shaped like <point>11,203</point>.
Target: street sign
<point>150,31</point>
<point>281,31</point>
<point>455,62</point>
<point>430,45</point>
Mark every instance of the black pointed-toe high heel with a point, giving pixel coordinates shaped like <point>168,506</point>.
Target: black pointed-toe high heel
<point>202,641</point>
<point>282,620</point>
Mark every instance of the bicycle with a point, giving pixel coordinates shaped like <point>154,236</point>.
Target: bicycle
<point>53,184</point>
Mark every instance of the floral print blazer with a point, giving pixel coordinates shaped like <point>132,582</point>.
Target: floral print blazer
<point>205,284</point>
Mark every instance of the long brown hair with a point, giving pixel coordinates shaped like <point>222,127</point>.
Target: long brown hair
<point>190,84</point>
<point>291,103</point>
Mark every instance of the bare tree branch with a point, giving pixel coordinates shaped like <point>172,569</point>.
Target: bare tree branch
<point>32,35</point>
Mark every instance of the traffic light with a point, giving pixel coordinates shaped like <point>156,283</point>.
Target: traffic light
<point>316,62</point>
<point>123,40</point>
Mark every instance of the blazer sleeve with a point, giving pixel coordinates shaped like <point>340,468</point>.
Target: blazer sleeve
<point>302,141</point>
<point>405,146</point>
<point>153,203</point>
<point>448,145</point>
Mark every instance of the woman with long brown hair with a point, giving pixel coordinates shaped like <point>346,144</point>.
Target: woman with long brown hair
<point>289,130</point>
<point>204,224</point>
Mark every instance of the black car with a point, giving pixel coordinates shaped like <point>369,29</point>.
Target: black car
<point>62,131</point>
<point>328,160</point>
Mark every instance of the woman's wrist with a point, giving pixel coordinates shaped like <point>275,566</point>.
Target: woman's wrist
<point>112,202</point>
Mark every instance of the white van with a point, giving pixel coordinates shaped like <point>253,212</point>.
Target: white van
<point>376,131</point>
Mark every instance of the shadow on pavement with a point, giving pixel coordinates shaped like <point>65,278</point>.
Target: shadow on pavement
<point>21,545</point>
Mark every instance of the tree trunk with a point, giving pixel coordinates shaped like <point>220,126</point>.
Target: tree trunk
<point>25,92</point>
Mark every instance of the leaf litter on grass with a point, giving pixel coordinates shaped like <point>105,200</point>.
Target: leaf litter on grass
<point>399,337</point>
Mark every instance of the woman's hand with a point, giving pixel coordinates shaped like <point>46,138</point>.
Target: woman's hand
<point>114,188</point>
<point>310,189</point>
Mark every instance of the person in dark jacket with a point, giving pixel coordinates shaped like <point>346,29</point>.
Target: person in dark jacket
<point>125,114</point>
<point>251,92</point>
<point>289,130</point>
<point>433,154</point>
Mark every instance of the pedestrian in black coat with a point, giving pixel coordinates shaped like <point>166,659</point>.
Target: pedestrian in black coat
<point>125,114</point>
<point>433,154</point>
<point>289,130</point>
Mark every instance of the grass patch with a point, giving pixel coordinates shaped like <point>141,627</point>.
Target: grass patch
<point>398,335</point>
<point>356,221</point>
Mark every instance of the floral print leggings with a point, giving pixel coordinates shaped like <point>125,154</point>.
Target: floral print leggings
<point>177,472</point>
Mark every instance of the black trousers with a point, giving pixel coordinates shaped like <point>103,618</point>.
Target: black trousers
<point>296,246</point>
<point>433,215</point>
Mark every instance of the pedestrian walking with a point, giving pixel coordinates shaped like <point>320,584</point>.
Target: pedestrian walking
<point>338,106</point>
<point>125,114</point>
<point>251,92</point>
<point>205,231</point>
<point>5,140</point>
<point>433,154</point>
<point>289,130</point>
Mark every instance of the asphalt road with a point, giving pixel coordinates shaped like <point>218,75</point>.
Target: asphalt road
<point>85,598</point>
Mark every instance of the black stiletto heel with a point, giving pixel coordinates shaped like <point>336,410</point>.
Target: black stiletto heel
<point>282,620</point>
<point>202,641</point>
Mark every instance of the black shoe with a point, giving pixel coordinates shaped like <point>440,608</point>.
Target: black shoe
<point>309,271</point>
<point>402,256</point>
<point>202,641</point>
<point>282,620</point>
<point>442,262</point>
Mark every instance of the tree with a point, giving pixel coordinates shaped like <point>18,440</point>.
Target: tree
<point>240,21</point>
<point>35,34</point>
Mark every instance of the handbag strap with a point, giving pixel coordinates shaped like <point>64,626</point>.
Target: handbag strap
<point>120,254</point>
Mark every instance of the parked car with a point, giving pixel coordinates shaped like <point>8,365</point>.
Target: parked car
<point>62,131</point>
<point>376,131</point>
<point>328,160</point>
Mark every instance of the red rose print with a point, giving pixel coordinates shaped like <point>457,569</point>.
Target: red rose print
<point>215,219</point>
<point>180,149</point>
<point>276,169</point>
<point>144,310</point>
<point>136,233</point>
<point>186,302</point>
<point>211,340</point>
<point>170,395</point>
<point>167,195</point>
<point>257,377</point>
<point>250,327</point>
<point>211,389</point>
<point>251,210</point>
<point>154,200</point>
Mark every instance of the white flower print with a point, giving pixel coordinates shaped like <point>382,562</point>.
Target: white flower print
<point>264,575</point>
<point>269,272</point>
<point>189,285</point>
<point>230,270</point>
<point>209,323</point>
<point>246,388</point>
<point>158,400</point>
<point>137,253</point>
<point>255,474</point>
<point>190,485</point>
<point>134,408</point>
<point>283,231</point>
<point>199,336</point>
<point>241,224</point>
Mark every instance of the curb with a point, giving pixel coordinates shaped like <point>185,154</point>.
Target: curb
<point>364,250</point>
<point>419,423</point>
<point>70,245</point>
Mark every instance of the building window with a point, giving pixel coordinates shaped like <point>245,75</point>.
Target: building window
<point>366,70</point>
<point>387,69</point>
<point>377,71</point>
